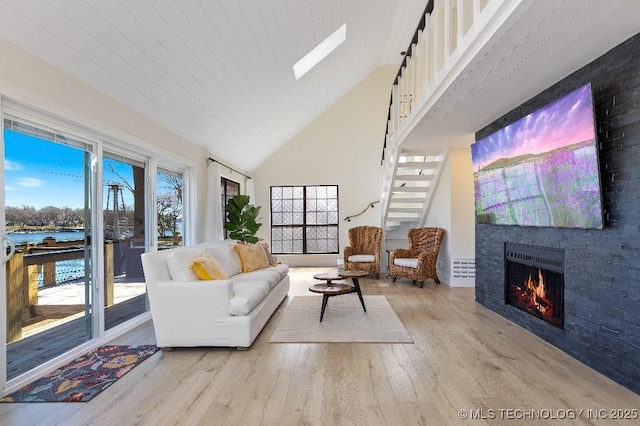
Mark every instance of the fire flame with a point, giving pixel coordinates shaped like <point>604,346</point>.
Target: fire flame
<point>533,294</point>
<point>541,290</point>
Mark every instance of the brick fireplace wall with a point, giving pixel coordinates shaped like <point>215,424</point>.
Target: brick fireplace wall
<point>602,267</point>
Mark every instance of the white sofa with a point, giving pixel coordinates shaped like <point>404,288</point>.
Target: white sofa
<point>189,312</point>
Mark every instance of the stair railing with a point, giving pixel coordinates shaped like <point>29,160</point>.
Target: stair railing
<point>369,206</point>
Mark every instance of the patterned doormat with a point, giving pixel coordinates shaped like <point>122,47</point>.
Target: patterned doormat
<point>84,377</point>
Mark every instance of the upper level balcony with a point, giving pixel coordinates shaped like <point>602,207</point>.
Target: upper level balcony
<point>472,61</point>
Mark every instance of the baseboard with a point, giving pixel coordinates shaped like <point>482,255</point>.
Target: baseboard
<point>461,282</point>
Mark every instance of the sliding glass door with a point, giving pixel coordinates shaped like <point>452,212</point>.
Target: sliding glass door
<point>124,221</point>
<point>48,187</point>
<point>80,210</point>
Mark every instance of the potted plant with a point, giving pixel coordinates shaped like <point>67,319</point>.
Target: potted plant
<point>242,219</point>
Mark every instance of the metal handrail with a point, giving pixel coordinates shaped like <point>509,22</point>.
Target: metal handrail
<point>370,206</point>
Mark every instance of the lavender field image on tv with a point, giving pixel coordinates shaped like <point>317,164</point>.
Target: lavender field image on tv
<point>541,170</point>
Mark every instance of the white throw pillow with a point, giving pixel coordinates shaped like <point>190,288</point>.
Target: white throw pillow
<point>408,263</point>
<point>226,256</point>
<point>366,258</point>
<point>179,263</point>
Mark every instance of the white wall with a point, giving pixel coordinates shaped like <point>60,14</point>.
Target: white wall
<point>463,218</point>
<point>453,210</point>
<point>439,215</point>
<point>31,81</point>
<point>343,147</point>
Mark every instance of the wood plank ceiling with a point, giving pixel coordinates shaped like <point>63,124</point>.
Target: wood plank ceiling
<point>217,72</point>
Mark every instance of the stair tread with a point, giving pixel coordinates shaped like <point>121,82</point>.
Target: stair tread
<point>408,186</point>
<point>407,200</point>
<point>398,189</point>
<point>402,219</point>
<point>418,165</point>
<point>414,177</point>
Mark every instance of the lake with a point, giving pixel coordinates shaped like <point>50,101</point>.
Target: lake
<point>37,237</point>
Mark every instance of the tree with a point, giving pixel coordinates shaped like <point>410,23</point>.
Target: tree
<point>175,185</point>
<point>12,216</point>
<point>48,215</point>
<point>169,211</point>
<point>23,216</point>
<point>169,204</point>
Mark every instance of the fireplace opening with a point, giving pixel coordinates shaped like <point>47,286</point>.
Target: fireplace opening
<point>535,281</point>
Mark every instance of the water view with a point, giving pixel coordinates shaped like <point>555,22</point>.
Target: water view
<point>21,237</point>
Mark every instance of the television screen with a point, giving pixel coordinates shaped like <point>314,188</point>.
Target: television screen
<point>542,170</point>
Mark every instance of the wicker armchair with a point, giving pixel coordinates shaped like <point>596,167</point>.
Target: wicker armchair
<point>419,262</point>
<point>363,252</point>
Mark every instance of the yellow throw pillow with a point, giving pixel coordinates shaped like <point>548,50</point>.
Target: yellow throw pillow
<point>207,267</point>
<point>252,257</point>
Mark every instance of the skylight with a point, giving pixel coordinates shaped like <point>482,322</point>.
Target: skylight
<point>320,52</point>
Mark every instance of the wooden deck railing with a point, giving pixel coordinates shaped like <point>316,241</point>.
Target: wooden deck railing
<point>22,279</point>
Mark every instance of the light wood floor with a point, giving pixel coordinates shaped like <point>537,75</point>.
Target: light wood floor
<point>465,357</point>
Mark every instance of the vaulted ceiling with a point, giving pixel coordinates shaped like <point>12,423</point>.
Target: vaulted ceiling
<point>217,72</point>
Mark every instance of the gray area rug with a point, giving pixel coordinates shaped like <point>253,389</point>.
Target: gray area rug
<point>344,321</point>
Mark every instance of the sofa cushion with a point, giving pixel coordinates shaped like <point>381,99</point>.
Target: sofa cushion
<point>406,262</point>
<point>207,267</point>
<point>179,263</point>
<point>252,257</point>
<point>280,268</point>
<point>271,277</point>
<point>368,258</point>
<point>228,259</point>
<point>247,295</point>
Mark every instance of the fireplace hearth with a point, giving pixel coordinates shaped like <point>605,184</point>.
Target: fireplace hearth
<point>535,281</point>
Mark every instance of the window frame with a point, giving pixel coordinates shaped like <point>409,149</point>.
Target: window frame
<point>182,174</point>
<point>305,225</point>
<point>101,138</point>
<point>224,183</point>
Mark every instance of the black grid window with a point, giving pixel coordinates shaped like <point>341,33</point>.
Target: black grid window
<point>228,190</point>
<point>304,219</point>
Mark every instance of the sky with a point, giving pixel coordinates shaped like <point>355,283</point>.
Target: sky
<point>41,173</point>
<point>563,122</point>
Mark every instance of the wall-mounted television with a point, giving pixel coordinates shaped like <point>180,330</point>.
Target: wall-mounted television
<point>542,170</point>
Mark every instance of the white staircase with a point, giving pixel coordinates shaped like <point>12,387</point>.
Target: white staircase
<point>439,56</point>
<point>451,33</point>
<point>408,187</point>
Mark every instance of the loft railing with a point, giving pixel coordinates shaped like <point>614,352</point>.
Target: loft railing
<point>446,29</point>
<point>449,33</point>
<point>407,102</point>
